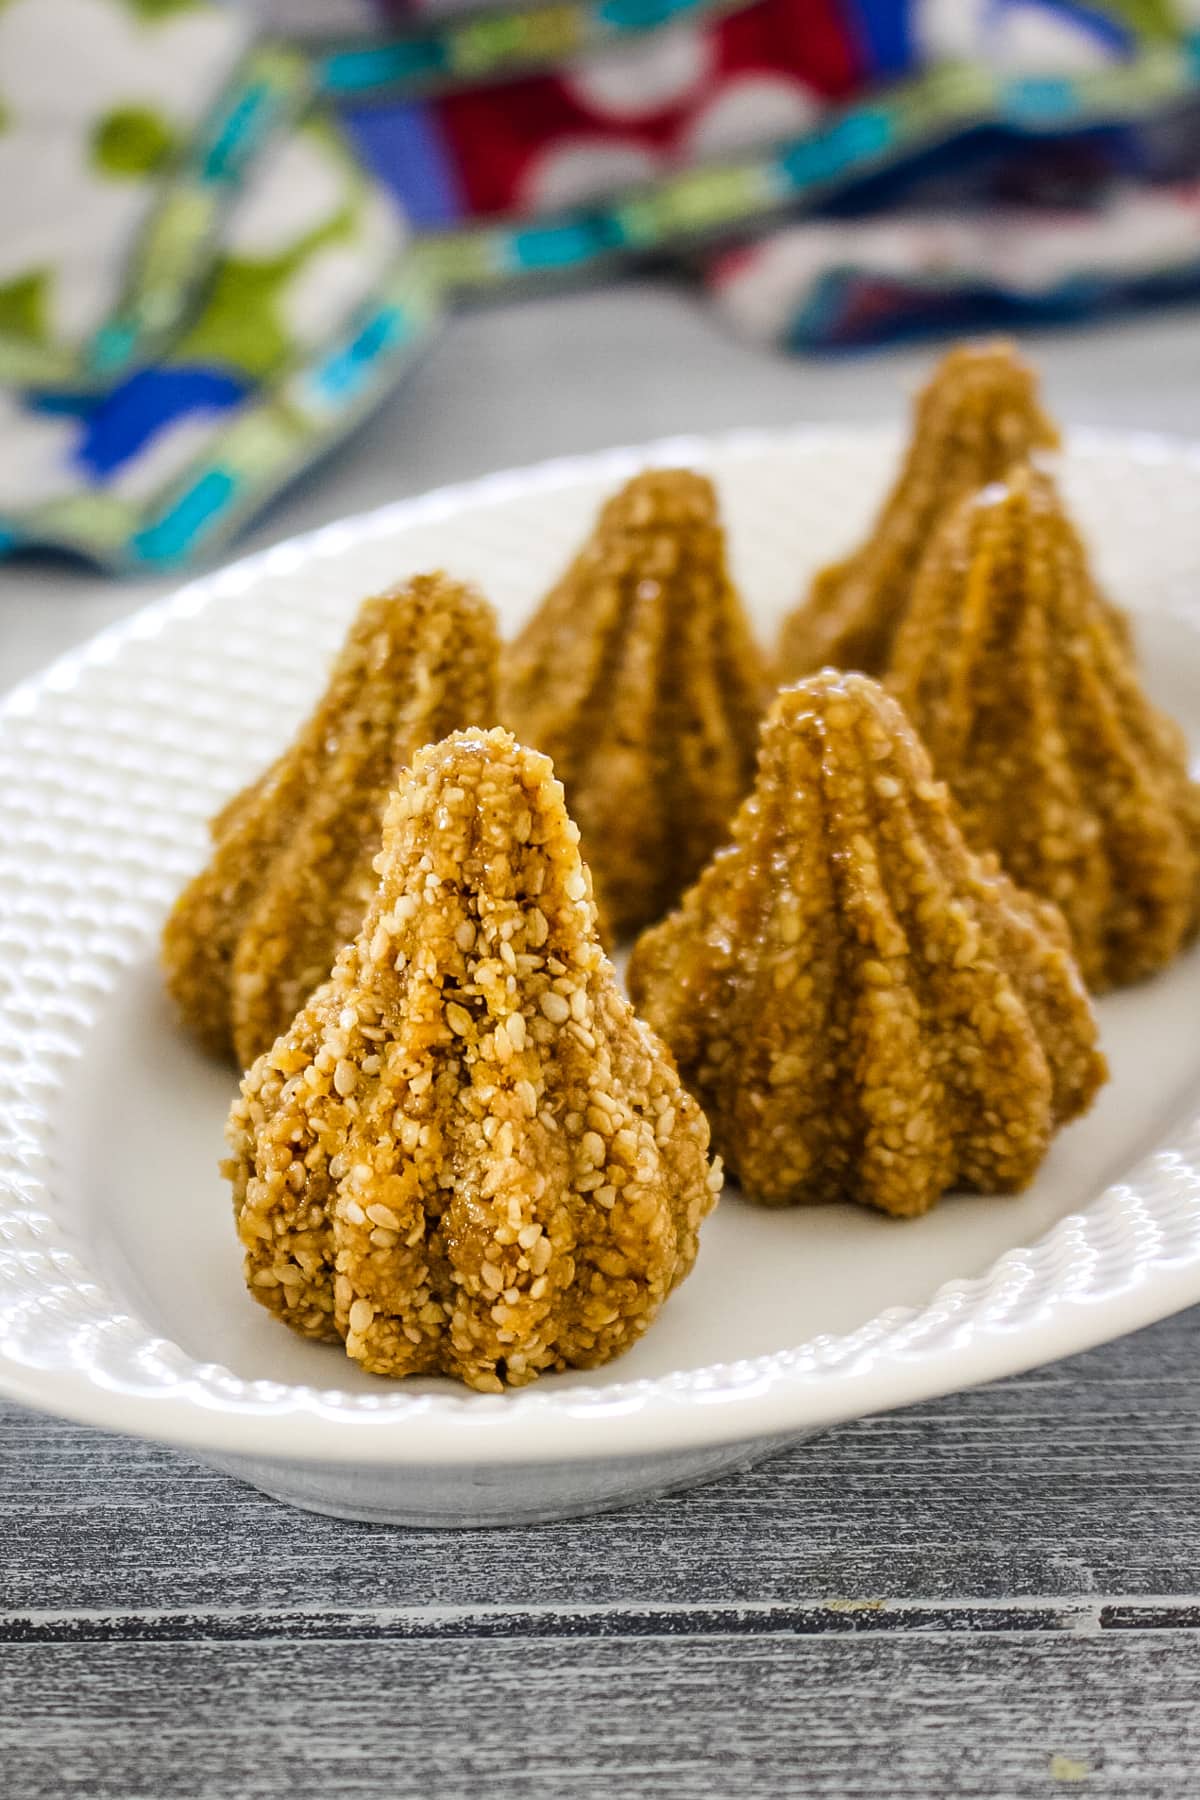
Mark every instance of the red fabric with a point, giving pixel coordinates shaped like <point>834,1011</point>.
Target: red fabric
<point>501,137</point>
<point>805,37</point>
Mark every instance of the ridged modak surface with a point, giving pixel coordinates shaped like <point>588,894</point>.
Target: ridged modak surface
<point>866,1009</point>
<point>291,870</point>
<point>639,675</point>
<point>978,415</point>
<point>1020,679</point>
<point>468,1156</point>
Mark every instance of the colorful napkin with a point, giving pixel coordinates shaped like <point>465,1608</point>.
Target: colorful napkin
<point>201,286</point>
<point>226,229</point>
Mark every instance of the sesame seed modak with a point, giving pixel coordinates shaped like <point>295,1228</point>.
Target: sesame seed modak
<point>1019,676</point>
<point>467,1156</point>
<point>291,872</point>
<point>865,1008</point>
<point>977,416</point>
<point>640,676</point>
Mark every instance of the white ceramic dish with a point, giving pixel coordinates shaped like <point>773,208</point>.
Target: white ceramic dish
<point>120,1294</point>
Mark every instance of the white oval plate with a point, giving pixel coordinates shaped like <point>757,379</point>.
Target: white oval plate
<point>121,1300</point>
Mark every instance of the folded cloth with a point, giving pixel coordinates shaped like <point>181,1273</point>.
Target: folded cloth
<point>252,293</point>
<point>218,248</point>
<point>851,281</point>
<point>99,100</point>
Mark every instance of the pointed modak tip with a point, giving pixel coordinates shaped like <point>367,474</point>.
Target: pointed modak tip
<point>837,697</point>
<point>660,499</point>
<point>991,369</point>
<point>1027,498</point>
<point>976,416</point>
<point>483,773</point>
<point>484,816</point>
<point>474,749</point>
<point>417,607</point>
<point>991,384</point>
<point>826,686</point>
<point>473,804</point>
<point>490,766</point>
<point>844,717</point>
<point>437,586</point>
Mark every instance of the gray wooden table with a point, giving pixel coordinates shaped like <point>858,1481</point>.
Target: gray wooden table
<point>993,1596</point>
<point>997,1595</point>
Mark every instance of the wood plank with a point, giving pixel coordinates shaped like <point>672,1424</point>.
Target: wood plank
<point>1079,1479</point>
<point>897,1715</point>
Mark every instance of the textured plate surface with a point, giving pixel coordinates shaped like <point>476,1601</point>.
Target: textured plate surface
<point>120,1293</point>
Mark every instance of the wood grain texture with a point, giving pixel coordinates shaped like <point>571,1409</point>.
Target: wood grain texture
<point>890,1718</point>
<point>994,1596</point>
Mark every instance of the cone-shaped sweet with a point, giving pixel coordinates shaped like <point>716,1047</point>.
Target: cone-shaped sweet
<point>1023,688</point>
<point>865,1008</point>
<point>467,1155</point>
<point>291,871</point>
<point>978,415</point>
<point>640,677</point>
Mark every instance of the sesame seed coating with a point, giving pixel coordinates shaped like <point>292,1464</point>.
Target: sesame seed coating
<point>292,865</point>
<point>1020,678</point>
<point>977,416</point>
<point>640,676</point>
<point>865,1008</point>
<point>467,1155</point>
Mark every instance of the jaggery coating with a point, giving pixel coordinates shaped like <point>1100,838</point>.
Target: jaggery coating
<point>976,417</point>
<point>291,872</point>
<point>865,1008</point>
<point>640,676</point>
<point>1021,681</point>
<point>467,1155</point>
